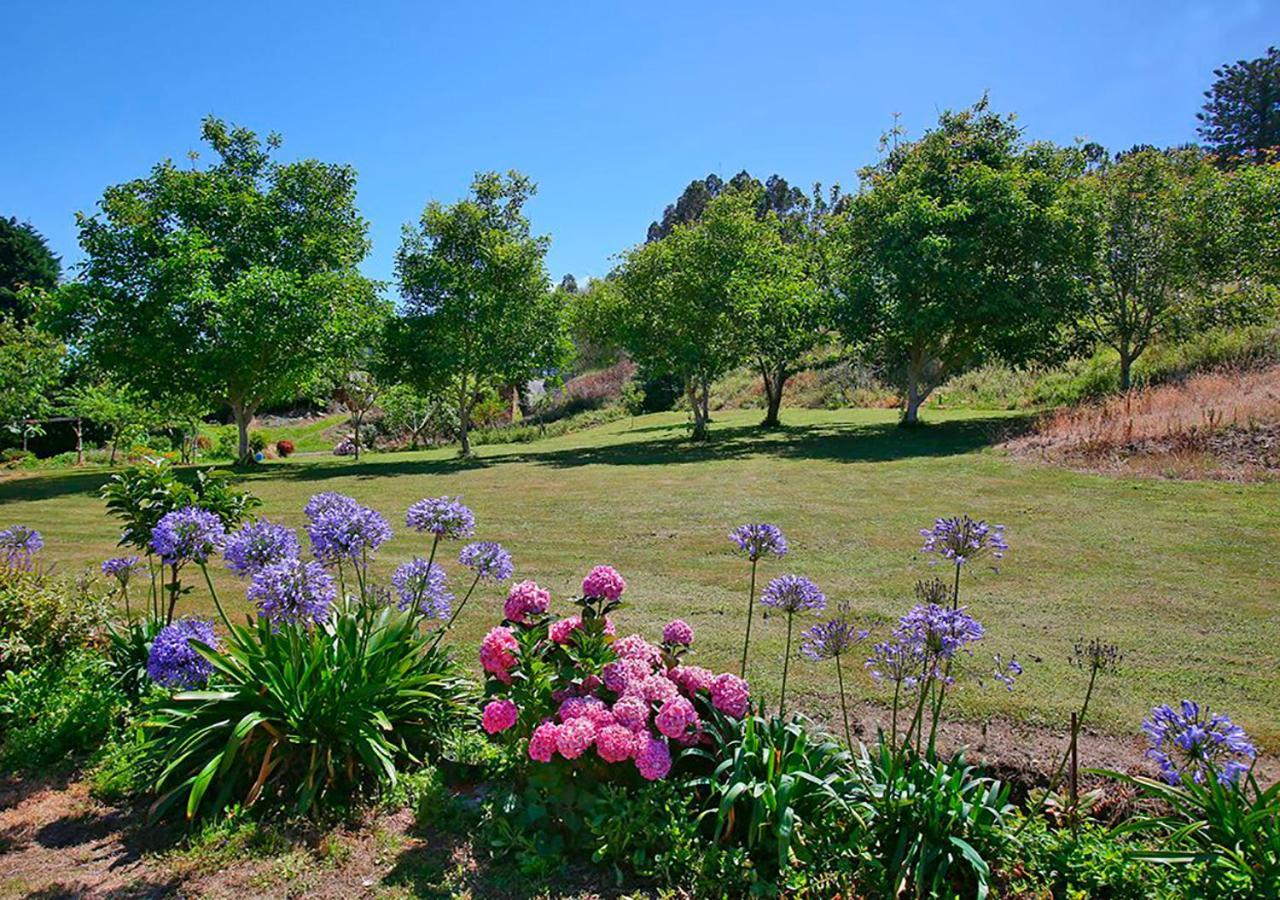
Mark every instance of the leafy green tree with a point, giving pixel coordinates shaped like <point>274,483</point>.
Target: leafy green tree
<point>1241,116</point>
<point>30,368</point>
<point>115,407</point>
<point>960,247</point>
<point>26,264</point>
<point>479,313</point>
<point>773,195</point>
<point>237,282</point>
<point>406,411</point>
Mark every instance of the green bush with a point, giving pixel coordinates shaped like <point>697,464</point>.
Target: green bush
<point>54,712</point>
<point>650,831</point>
<point>43,617</point>
<point>122,769</point>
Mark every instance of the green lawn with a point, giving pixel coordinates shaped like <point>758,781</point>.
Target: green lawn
<point>1185,577</point>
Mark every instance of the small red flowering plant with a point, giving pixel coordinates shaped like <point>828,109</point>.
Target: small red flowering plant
<point>568,692</point>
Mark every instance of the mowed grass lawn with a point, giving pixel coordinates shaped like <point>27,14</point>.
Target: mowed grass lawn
<point>1185,577</point>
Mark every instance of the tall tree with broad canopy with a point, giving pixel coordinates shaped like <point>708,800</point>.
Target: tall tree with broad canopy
<point>26,265</point>
<point>31,364</point>
<point>1240,120</point>
<point>237,282</point>
<point>958,248</point>
<point>479,312</point>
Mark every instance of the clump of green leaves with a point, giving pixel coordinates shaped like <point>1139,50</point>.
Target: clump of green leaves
<point>43,617</point>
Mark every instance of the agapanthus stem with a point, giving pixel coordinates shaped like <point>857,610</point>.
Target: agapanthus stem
<point>128,614</point>
<point>844,709</point>
<point>417,600</point>
<point>174,587</point>
<point>456,612</point>
<point>786,662</point>
<point>216,602</point>
<point>955,591</point>
<point>751,605</point>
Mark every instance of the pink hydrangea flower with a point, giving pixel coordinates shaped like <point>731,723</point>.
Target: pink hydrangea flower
<point>678,632</point>
<point>498,652</point>
<point>692,678</point>
<point>633,646</point>
<point>603,581</point>
<point>499,715</point>
<point>632,712</point>
<point>574,737</point>
<point>621,673</point>
<point>525,599</point>
<point>575,707</point>
<point>657,688</point>
<point>614,743</point>
<point>730,695</point>
<point>542,744</point>
<point>675,717</point>
<point>653,758</point>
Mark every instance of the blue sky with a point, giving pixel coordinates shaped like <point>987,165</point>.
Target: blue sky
<point>612,108</point>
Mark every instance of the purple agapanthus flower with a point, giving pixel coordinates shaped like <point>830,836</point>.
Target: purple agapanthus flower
<point>173,662</point>
<point>488,559</point>
<point>758,539</point>
<point>423,587</point>
<point>19,545</point>
<point>1006,672</point>
<point>793,594</point>
<point>347,533</point>
<point>828,640</point>
<point>896,662</point>
<point>938,630</point>
<point>963,539</point>
<point>121,568</point>
<point>293,591</point>
<point>326,502</point>
<point>190,534</point>
<point>445,517</point>
<point>258,544</point>
<point>1190,742</point>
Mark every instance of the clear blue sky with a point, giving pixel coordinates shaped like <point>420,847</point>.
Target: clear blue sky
<point>612,108</point>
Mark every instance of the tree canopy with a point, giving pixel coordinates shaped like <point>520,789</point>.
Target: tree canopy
<point>1241,115</point>
<point>26,263</point>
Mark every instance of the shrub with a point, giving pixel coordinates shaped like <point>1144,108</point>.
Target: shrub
<point>43,617</point>
<point>53,712</point>
<point>650,831</point>
<point>284,448</point>
<point>257,441</point>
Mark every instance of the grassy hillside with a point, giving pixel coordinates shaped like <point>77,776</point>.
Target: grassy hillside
<point>1183,575</point>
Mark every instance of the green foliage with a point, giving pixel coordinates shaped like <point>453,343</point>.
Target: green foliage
<point>42,618</point>
<point>118,409</point>
<point>650,831</point>
<point>122,768</point>
<point>306,719</point>
<point>1241,115</point>
<point>142,494</point>
<point>27,265</point>
<point>128,647</point>
<point>53,712</point>
<point>30,364</point>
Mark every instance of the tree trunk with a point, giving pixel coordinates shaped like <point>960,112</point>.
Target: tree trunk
<point>79,442</point>
<point>1126,371</point>
<point>697,408</point>
<point>915,369</point>
<point>773,385</point>
<point>355,421</point>
<point>464,416</point>
<point>243,416</point>
<point>115,441</point>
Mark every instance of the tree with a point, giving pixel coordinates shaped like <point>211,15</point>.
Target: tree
<point>774,195</point>
<point>115,407</point>
<point>26,263</point>
<point>479,313</point>
<point>236,283</point>
<point>1241,116</point>
<point>1165,226</point>
<point>30,366</point>
<point>407,411</point>
<point>959,247</point>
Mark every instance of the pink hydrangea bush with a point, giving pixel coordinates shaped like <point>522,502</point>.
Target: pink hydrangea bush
<point>566,689</point>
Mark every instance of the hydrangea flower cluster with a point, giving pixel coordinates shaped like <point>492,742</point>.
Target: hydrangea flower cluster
<point>793,594</point>
<point>963,539</point>
<point>444,517</point>
<point>258,544</point>
<point>488,560</point>
<point>1190,742</point>
<point>190,534</point>
<point>19,545</point>
<point>423,586</point>
<point>756,540</point>
<point>121,568</point>
<point>641,704</point>
<point>293,591</point>
<point>173,662</point>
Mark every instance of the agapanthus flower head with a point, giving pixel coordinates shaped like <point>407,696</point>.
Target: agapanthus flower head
<point>677,633</point>
<point>526,599</point>
<point>293,592</point>
<point>793,594</point>
<point>190,534</point>
<point>939,630</point>
<point>19,545</point>
<point>828,640</point>
<point>1006,671</point>
<point>1191,742</point>
<point>730,695</point>
<point>488,560</point>
<point>257,544</point>
<point>603,581</point>
<point>445,517</point>
<point>498,652</point>
<point>341,532</point>
<point>173,662</point>
<point>653,758</point>
<point>121,568</point>
<point>327,502</point>
<point>423,587</point>
<point>932,591</point>
<point>896,662</point>
<point>499,715</point>
<point>1096,656</point>
<point>756,540</point>
<point>962,539</point>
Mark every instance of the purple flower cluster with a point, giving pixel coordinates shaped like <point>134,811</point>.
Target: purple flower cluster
<point>1192,743</point>
<point>423,587</point>
<point>829,640</point>
<point>895,662</point>
<point>793,594</point>
<point>342,529</point>
<point>445,517</point>
<point>173,662</point>
<point>190,534</point>
<point>293,591</point>
<point>757,540</point>
<point>1006,672</point>
<point>19,545</point>
<point>938,630</point>
<point>963,539</point>
<point>488,559</point>
<point>120,568</point>
<point>258,544</point>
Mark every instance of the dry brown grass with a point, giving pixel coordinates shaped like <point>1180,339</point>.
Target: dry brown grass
<point>1214,425</point>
